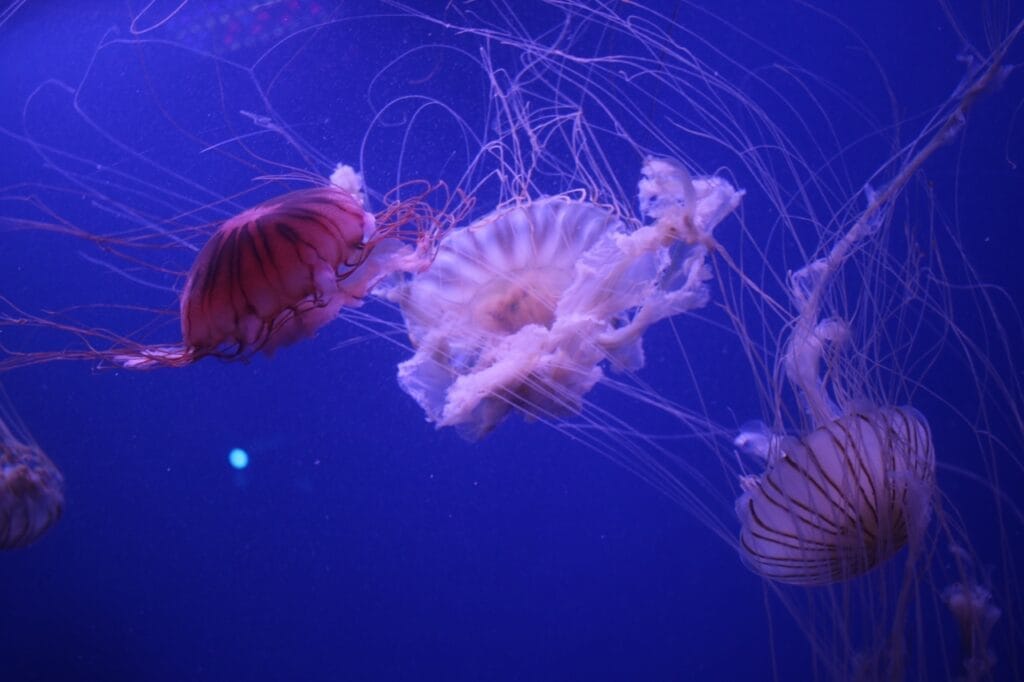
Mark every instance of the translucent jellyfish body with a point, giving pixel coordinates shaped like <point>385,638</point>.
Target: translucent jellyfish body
<point>31,486</point>
<point>976,615</point>
<point>520,310</point>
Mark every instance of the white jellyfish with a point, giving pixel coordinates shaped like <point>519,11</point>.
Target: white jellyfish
<point>521,309</point>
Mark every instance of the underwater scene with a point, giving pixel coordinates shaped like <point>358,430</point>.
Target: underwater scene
<point>511,340</point>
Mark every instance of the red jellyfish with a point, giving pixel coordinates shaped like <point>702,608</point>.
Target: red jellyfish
<point>276,273</point>
<point>31,486</point>
<point>279,271</point>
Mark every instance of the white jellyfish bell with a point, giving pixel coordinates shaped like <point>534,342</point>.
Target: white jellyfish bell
<point>521,309</point>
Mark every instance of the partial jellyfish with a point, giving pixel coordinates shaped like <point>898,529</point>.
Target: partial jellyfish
<point>840,301</point>
<point>522,308</point>
<point>976,615</point>
<point>31,485</point>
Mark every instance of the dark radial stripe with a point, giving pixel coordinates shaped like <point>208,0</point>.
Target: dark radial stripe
<point>789,505</point>
<point>858,471</point>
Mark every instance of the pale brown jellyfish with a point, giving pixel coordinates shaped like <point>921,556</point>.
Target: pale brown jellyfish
<point>855,489</point>
<point>840,500</point>
<point>31,486</point>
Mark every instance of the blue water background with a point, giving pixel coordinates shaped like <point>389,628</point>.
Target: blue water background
<point>361,543</point>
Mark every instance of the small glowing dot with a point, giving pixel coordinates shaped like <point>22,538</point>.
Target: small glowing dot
<point>239,458</point>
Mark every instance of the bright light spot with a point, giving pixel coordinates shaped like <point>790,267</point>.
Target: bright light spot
<point>239,458</point>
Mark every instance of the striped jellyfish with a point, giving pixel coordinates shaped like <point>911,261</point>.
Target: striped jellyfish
<point>840,500</point>
<point>276,273</point>
<point>844,497</point>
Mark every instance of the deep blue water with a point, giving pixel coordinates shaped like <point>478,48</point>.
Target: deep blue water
<point>361,543</point>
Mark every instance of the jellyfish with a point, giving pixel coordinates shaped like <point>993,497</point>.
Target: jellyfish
<point>520,310</point>
<point>31,485</point>
<point>976,615</point>
<point>276,273</point>
<point>839,501</point>
<point>273,275</point>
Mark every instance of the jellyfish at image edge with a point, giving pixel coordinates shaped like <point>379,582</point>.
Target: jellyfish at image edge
<point>845,497</point>
<point>840,500</point>
<point>520,310</point>
<point>31,486</point>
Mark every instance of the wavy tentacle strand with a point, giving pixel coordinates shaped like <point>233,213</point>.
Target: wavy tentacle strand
<point>810,284</point>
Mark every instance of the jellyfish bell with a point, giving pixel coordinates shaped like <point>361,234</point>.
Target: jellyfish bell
<point>31,485</point>
<point>520,310</point>
<point>839,501</point>
<point>275,273</point>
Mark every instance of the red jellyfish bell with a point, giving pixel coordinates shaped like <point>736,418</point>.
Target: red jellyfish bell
<point>276,273</point>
